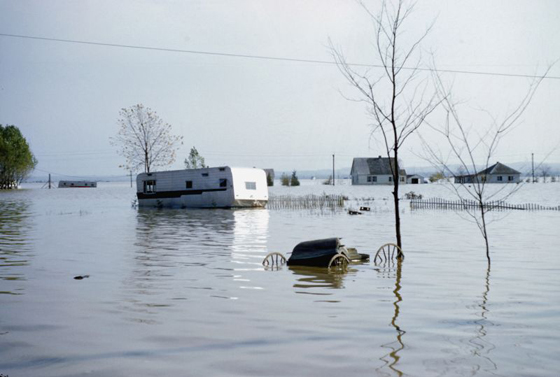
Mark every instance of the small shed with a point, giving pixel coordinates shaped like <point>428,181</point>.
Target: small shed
<point>415,179</point>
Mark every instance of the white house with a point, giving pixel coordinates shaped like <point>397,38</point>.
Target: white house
<point>220,187</point>
<point>497,173</point>
<point>374,171</point>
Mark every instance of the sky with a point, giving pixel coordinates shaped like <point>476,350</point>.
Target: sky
<point>241,111</point>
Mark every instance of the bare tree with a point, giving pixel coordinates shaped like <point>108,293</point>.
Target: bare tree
<point>397,99</point>
<point>468,145</point>
<point>144,139</point>
<point>545,172</point>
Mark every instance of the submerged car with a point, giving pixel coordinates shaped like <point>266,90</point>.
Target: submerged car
<point>323,253</point>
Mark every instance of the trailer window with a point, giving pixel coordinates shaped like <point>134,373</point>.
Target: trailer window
<point>223,182</point>
<point>205,174</point>
<point>251,185</point>
<point>189,184</point>
<point>149,187</point>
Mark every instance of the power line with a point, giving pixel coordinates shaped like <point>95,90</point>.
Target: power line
<point>263,57</point>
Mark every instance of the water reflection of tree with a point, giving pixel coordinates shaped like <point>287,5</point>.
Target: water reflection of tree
<point>15,243</point>
<point>475,349</point>
<point>481,346</point>
<point>393,268</point>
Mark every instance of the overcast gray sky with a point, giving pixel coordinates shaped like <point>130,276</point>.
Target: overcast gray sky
<point>66,97</point>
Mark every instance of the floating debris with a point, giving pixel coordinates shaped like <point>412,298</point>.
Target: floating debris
<point>365,209</point>
<point>352,212</point>
<point>412,195</point>
<point>80,277</point>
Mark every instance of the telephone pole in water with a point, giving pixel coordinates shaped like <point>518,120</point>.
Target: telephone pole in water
<point>532,168</point>
<point>333,179</point>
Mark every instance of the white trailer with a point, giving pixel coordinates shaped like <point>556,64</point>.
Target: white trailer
<point>220,187</point>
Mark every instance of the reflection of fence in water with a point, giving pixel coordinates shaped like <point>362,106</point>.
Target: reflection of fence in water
<point>465,204</point>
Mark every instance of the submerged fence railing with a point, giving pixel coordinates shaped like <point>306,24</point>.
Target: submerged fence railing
<point>438,203</point>
<point>311,201</point>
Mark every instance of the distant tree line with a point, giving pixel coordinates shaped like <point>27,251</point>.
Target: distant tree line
<point>289,181</point>
<point>16,159</point>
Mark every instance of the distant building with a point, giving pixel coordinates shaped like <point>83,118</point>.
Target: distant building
<point>374,171</point>
<point>76,184</point>
<point>414,179</point>
<point>497,173</point>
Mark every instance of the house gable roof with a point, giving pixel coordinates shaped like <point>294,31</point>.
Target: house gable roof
<point>373,166</point>
<point>498,168</point>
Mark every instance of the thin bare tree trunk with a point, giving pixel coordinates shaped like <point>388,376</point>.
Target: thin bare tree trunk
<point>408,106</point>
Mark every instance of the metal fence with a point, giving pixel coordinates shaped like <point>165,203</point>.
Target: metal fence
<point>306,202</point>
<point>439,203</point>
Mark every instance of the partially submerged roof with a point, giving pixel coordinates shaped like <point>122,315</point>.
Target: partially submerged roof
<point>373,166</point>
<point>497,169</point>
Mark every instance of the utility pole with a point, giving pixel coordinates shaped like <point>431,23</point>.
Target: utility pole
<point>533,167</point>
<point>333,178</point>
<point>131,178</point>
<point>49,181</point>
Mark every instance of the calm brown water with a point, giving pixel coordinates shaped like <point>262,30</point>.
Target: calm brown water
<point>175,292</point>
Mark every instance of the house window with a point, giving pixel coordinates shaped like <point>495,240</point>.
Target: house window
<point>369,178</point>
<point>402,179</point>
<point>390,179</point>
<point>189,184</point>
<point>510,178</point>
<point>251,185</point>
<point>499,178</point>
<point>374,178</point>
<point>222,169</point>
<point>223,182</point>
<point>205,174</point>
<point>149,187</point>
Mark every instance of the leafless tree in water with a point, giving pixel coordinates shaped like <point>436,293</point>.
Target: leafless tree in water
<point>144,139</point>
<point>467,147</point>
<point>545,172</point>
<point>398,99</point>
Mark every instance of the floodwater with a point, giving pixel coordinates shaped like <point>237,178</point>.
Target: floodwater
<point>183,292</point>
